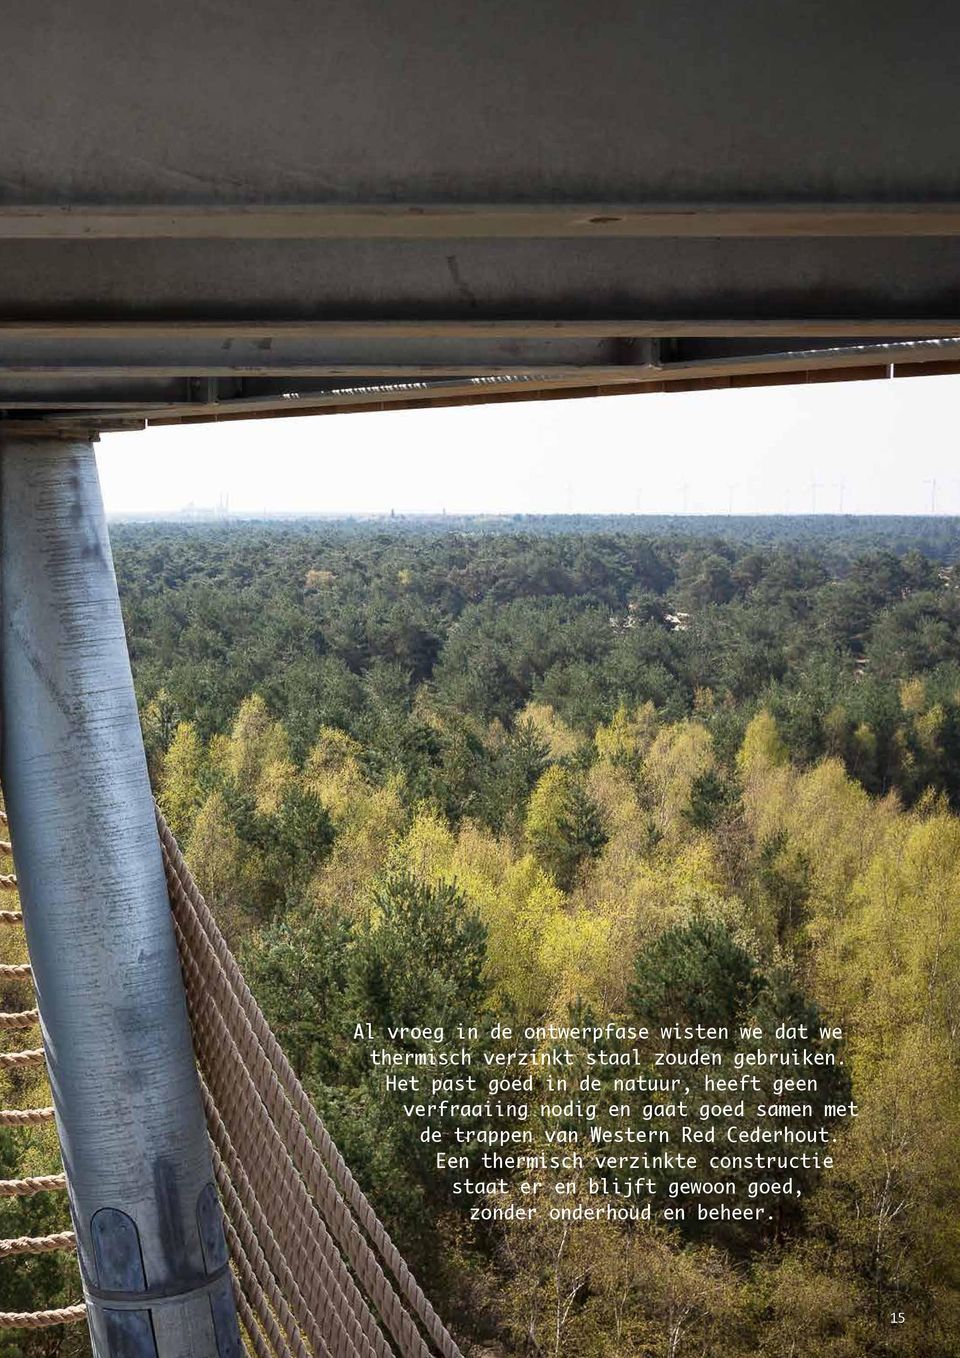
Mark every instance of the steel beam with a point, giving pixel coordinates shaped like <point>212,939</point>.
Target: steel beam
<point>419,190</point>
<point>126,103</point>
<point>465,221</point>
<point>125,1088</point>
<point>814,280</point>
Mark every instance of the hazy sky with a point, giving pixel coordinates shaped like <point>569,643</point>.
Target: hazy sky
<point>863,447</point>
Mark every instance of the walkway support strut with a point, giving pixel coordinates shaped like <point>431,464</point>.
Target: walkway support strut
<point>95,908</point>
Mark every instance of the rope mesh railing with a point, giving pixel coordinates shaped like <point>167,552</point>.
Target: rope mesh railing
<point>29,1117</point>
<point>315,1273</point>
<point>319,1245</point>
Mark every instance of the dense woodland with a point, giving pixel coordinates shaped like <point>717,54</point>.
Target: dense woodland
<point>627,769</point>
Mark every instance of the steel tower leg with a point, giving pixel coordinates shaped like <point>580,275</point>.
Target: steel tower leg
<point>135,1149</point>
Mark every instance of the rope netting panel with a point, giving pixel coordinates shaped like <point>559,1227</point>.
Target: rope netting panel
<point>28,1117</point>
<point>316,1273</point>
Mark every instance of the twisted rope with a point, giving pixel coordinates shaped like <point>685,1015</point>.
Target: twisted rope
<point>286,1101</point>
<point>241,1204</point>
<point>38,1244</point>
<point>24,1117</point>
<point>260,1267</point>
<point>303,1238</point>
<point>42,1320</point>
<point>239,1094</point>
<point>329,1290</point>
<point>251,1287</point>
<point>14,1060</point>
<point>249,1321</point>
<point>40,1183</point>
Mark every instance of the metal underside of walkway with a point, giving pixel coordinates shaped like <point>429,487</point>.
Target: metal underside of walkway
<point>211,211</point>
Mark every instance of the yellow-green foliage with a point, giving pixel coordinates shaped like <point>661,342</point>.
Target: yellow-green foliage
<point>928,726</point>
<point>913,694</point>
<point>560,740</point>
<point>516,900</point>
<point>677,756</point>
<point>226,870</point>
<point>824,811</point>
<point>277,776</point>
<point>318,579</point>
<point>644,883</point>
<point>871,932</point>
<point>332,771</point>
<point>762,746</point>
<point>905,932</point>
<point>368,820</point>
<point>542,951</point>
<point>427,848</point>
<point>628,735</point>
<point>542,830</point>
<point>181,789</point>
<point>258,755</point>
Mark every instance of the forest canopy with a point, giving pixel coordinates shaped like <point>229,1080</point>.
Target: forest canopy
<point>414,640</point>
<point>592,771</point>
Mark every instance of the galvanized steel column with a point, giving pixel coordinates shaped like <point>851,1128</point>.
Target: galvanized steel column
<point>98,923</point>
